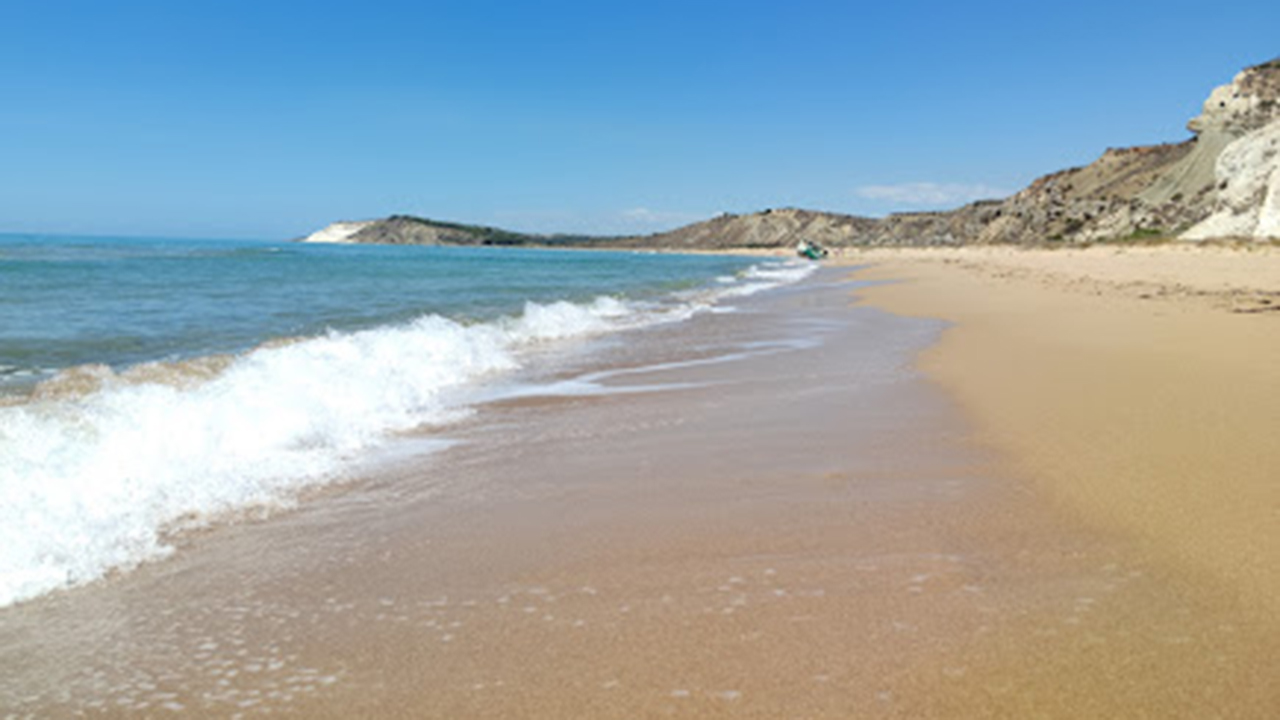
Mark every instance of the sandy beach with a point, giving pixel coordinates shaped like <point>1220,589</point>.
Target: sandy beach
<point>1059,505</point>
<point>1135,388</point>
<point>1137,384</point>
<point>460,361</point>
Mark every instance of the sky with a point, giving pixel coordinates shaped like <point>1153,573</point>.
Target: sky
<point>270,119</point>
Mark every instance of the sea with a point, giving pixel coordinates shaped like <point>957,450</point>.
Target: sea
<point>150,386</point>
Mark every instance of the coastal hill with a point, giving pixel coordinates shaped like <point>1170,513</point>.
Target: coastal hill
<point>409,230</point>
<point>1223,182</point>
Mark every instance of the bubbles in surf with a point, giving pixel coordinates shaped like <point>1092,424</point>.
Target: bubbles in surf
<point>98,464</point>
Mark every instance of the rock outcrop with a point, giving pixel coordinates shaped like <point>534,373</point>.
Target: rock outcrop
<point>1224,182</point>
<point>1246,173</point>
<point>1248,204</point>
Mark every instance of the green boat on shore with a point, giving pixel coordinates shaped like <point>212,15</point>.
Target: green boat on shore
<point>811,250</point>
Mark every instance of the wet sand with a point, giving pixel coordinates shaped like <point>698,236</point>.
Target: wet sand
<point>768,513</point>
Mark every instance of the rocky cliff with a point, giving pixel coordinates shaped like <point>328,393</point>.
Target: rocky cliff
<point>1246,114</point>
<point>1223,182</point>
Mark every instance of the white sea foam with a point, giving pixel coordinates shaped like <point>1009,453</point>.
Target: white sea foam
<point>763,277</point>
<point>94,477</point>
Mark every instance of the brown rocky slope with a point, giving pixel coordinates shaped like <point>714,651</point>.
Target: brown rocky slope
<point>1166,190</point>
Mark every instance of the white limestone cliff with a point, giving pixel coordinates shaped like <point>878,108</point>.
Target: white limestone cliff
<point>1248,202</point>
<point>339,232</point>
<point>1244,116</point>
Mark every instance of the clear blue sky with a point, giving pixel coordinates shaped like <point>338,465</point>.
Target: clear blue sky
<point>270,119</point>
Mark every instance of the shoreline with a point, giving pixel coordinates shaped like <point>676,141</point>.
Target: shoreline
<point>808,529</point>
<point>761,534</point>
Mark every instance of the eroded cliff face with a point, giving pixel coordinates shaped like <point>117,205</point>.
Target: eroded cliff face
<point>1098,201</point>
<point>1248,197</point>
<point>1223,182</point>
<point>339,232</point>
<point>1246,173</point>
<point>1220,183</point>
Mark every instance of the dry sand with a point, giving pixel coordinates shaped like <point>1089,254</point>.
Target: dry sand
<point>1141,385</point>
<point>1139,389</point>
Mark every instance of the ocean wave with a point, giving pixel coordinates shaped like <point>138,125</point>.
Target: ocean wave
<point>97,466</point>
<point>763,277</point>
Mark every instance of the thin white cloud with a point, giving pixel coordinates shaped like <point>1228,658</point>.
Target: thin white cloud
<point>646,219</point>
<point>929,194</point>
<point>632,221</point>
<point>646,216</point>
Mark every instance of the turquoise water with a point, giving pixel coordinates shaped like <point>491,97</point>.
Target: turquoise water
<point>68,301</point>
<point>152,384</point>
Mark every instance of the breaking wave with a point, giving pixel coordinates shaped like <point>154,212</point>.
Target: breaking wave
<point>97,466</point>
